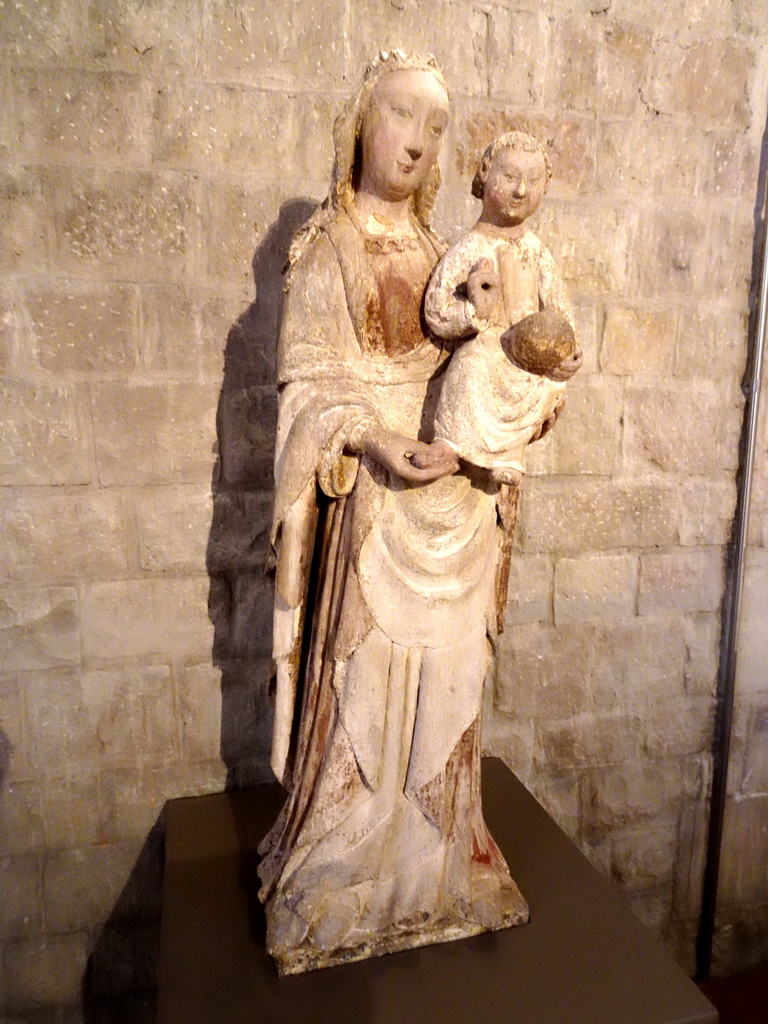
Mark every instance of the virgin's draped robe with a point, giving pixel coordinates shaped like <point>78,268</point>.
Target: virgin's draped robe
<point>385,597</point>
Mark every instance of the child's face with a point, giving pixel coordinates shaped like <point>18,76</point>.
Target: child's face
<point>514,186</point>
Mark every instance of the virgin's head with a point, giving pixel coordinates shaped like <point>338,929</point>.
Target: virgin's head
<point>400,132</point>
<point>386,139</point>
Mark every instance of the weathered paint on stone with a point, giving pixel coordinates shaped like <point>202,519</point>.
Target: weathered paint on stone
<point>153,152</point>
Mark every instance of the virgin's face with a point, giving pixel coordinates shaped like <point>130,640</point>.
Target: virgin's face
<point>400,138</point>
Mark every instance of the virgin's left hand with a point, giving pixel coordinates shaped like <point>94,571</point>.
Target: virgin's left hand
<point>549,422</point>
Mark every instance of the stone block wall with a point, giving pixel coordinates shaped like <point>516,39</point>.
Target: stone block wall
<point>157,157</point>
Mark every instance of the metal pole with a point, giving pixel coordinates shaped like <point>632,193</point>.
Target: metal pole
<point>731,614</point>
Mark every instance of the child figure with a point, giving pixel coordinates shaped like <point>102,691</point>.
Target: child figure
<point>499,287</point>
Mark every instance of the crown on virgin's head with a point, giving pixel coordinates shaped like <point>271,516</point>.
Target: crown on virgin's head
<point>399,57</point>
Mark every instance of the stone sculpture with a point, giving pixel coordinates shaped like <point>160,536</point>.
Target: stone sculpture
<point>391,567</point>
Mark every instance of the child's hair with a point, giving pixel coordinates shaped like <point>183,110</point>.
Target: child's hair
<point>512,140</point>
<point>542,342</point>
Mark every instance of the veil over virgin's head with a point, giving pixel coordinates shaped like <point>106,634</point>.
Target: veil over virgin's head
<point>346,135</point>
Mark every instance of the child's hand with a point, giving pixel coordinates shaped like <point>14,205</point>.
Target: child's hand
<point>483,287</point>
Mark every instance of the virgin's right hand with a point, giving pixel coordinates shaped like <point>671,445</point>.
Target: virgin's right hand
<point>394,452</point>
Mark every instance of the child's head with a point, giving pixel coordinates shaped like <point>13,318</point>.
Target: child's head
<point>511,178</point>
<point>545,344</point>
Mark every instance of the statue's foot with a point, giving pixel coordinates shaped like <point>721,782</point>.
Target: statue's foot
<point>285,929</point>
<point>334,920</point>
<point>496,900</point>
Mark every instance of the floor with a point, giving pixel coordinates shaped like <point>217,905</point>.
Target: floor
<point>742,998</point>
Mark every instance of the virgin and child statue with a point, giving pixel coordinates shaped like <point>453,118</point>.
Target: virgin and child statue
<point>396,490</point>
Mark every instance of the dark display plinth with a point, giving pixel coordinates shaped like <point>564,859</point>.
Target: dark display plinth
<point>583,959</point>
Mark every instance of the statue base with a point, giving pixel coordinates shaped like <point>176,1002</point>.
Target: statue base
<point>583,959</point>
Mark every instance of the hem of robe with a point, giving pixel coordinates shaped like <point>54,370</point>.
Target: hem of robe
<point>309,958</point>
<point>487,900</point>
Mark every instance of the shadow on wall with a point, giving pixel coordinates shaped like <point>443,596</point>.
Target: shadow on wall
<point>6,749</point>
<point>240,602</point>
<point>120,982</point>
<point>121,978</point>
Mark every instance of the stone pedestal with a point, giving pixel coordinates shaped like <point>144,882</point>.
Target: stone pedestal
<point>583,959</point>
